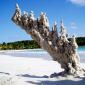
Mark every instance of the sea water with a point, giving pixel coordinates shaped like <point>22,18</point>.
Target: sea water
<point>40,53</point>
<point>81,52</point>
<point>81,48</point>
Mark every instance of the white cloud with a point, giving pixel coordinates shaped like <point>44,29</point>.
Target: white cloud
<point>73,25</point>
<point>78,2</point>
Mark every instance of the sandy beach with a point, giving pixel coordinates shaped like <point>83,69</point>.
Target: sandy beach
<point>19,68</point>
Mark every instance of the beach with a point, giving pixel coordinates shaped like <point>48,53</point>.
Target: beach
<point>31,67</point>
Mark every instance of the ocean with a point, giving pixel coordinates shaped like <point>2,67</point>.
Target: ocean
<point>81,52</point>
<point>40,53</point>
<point>81,48</point>
<point>45,55</point>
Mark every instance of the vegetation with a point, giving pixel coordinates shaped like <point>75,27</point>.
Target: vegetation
<point>27,44</point>
<point>31,44</point>
<point>80,41</point>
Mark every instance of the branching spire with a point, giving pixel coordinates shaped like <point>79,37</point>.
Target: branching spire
<point>65,52</point>
<point>55,27</point>
<point>62,24</point>
<point>17,6</point>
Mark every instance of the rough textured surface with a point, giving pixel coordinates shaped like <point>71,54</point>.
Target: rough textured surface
<point>57,45</point>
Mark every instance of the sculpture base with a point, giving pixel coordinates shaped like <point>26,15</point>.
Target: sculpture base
<point>77,74</point>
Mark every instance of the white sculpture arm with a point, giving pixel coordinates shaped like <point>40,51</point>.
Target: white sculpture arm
<point>58,46</point>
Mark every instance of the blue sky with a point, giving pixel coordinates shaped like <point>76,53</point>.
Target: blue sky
<point>71,11</point>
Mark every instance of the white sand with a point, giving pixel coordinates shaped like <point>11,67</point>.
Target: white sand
<point>16,69</point>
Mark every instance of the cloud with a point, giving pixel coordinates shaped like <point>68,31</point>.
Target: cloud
<point>73,25</point>
<point>78,2</point>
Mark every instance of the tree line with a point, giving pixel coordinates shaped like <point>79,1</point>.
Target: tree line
<point>80,41</point>
<point>25,44</point>
<point>31,44</point>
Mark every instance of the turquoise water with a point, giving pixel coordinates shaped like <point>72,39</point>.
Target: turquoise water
<point>40,53</point>
<point>81,52</point>
<point>81,48</point>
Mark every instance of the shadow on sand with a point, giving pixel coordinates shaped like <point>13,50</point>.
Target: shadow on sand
<point>41,55</point>
<point>45,80</point>
<point>32,76</point>
<point>59,82</point>
<point>4,73</point>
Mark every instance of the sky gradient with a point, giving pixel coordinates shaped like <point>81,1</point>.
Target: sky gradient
<point>71,11</point>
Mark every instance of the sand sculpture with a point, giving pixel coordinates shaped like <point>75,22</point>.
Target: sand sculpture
<point>56,44</point>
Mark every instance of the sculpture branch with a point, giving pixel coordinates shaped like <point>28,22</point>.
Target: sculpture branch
<point>58,46</point>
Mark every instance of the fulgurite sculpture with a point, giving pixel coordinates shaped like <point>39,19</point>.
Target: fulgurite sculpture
<point>57,45</point>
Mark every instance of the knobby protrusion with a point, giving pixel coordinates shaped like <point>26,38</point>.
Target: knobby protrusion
<point>58,46</point>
